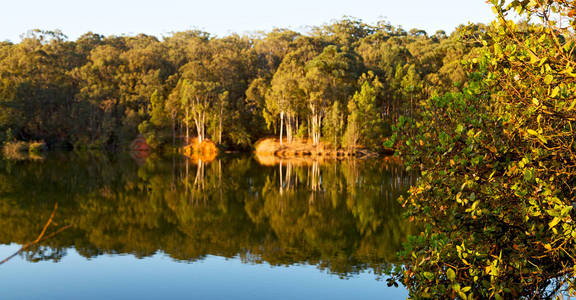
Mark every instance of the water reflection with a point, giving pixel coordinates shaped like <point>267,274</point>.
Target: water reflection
<point>340,216</point>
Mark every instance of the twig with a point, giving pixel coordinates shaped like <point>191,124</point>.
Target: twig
<point>40,236</point>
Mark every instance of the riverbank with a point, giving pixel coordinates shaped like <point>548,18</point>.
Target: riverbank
<point>305,148</point>
<point>206,150</point>
<point>20,150</point>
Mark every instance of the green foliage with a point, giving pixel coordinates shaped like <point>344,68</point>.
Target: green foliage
<point>365,126</point>
<point>498,169</point>
<point>334,124</point>
<point>103,91</point>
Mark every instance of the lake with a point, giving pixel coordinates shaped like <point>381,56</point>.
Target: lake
<point>237,227</point>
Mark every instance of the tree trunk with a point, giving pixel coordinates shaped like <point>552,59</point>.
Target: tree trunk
<point>187,121</point>
<point>198,129</point>
<point>289,120</point>
<point>173,130</point>
<point>220,127</point>
<point>281,127</point>
<point>309,127</point>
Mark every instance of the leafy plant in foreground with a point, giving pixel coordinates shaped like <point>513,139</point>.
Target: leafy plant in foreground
<point>498,168</point>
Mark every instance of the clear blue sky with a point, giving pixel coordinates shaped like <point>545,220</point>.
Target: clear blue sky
<point>221,17</point>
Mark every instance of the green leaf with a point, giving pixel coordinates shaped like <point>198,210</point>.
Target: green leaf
<point>555,92</point>
<point>554,222</point>
<point>533,59</point>
<point>451,274</point>
<point>572,105</point>
<point>459,128</point>
<point>494,10</point>
<point>429,275</point>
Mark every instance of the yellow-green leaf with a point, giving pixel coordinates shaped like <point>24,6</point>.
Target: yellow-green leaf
<point>572,105</point>
<point>451,274</point>
<point>554,222</point>
<point>555,92</point>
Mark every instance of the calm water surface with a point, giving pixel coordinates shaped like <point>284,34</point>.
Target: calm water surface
<point>233,228</point>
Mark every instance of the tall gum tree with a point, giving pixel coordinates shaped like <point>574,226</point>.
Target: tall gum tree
<point>285,98</point>
<point>330,76</point>
<point>364,122</point>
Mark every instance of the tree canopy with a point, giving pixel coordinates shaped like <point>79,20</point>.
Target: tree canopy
<point>101,92</point>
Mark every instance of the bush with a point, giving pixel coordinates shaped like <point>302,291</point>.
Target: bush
<point>15,150</point>
<point>36,147</point>
<point>20,150</point>
<point>498,170</point>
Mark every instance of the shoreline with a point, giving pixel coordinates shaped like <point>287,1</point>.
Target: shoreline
<point>302,148</point>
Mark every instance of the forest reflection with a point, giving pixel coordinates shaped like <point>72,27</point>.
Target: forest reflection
<point>341,216</point>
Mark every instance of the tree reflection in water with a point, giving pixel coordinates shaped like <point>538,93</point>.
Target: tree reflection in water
<point>340,216</point>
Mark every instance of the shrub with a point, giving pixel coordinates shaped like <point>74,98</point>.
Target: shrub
<point>15,150</point>
<point>36,147</point>
<point>498,169</point>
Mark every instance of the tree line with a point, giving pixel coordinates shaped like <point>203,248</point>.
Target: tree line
<point>344,83</point>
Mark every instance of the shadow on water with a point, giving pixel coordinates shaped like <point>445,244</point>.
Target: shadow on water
<point>342,216</point>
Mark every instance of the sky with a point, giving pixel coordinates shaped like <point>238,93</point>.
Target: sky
<point>223,17</point>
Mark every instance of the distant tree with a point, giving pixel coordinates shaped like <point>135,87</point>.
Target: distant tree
<point>365,126</point>
<point>330,76</point>
<point>411,86</point>
<point>334,124</point>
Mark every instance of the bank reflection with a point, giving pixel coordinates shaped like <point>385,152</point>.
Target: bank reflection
<point>340,216</point>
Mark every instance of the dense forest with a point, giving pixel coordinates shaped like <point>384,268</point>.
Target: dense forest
<point>345,83</point>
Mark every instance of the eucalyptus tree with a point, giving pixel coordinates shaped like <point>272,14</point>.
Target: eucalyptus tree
<point>98,88</point>
<point>347,31</point>
<point>365,126</point>
<point>10,118</point>
<point>196,98</point>
<point>285,98</point>
<point>273,47</point>
<point>334,124</point>
<point>97,91</point>
<point>385,54</point>
<point>411,85</point>
<point>330,76</point>
<point>233,63</point>
<point>37,88</point>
